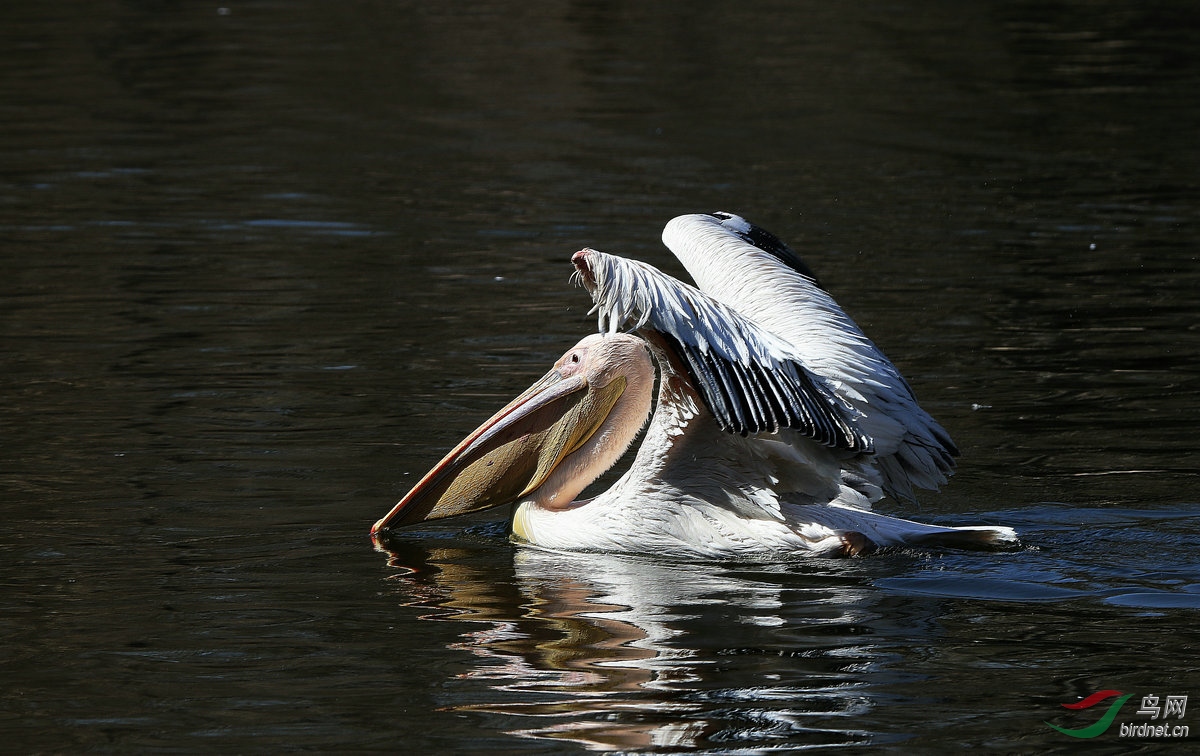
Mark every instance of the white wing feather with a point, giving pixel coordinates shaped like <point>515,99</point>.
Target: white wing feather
<point>751,380</point>
<point>755,274</point>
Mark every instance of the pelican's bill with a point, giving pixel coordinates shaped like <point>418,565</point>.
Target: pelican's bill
<point>512,453</point>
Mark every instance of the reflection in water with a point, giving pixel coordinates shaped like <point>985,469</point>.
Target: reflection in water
<point>618,652</point>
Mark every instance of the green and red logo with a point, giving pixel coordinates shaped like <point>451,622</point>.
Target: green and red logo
<point>1175,706</point>
<point>1101,724</point>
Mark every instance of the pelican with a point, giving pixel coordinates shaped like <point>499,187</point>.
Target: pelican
<point>778,423</point>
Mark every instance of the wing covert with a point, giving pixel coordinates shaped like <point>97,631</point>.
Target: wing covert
<point>749,379</point>
<point>754,273</point>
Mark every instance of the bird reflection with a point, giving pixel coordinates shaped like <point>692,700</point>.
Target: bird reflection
<point>619,653</point>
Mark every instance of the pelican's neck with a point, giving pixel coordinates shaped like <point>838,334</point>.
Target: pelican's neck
<point>678,407</point>
<point>539,519</point>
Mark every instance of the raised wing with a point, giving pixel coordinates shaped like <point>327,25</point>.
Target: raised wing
<point>748,378</point>
<point>752,272</point>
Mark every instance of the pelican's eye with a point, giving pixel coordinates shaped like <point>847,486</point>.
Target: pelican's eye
<point>572,361</point>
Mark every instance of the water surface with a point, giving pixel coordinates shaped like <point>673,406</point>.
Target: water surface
<point>265,262</point>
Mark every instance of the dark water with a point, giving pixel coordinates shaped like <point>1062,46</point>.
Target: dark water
<point>265,262</point>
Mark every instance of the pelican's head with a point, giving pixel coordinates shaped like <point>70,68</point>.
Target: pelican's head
<point>549,443</point>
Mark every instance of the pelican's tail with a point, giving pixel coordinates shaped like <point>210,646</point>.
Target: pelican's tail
<point>969,537</point>
<point>861,532</point>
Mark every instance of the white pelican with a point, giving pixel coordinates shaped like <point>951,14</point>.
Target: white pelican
<point>778,422</point>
